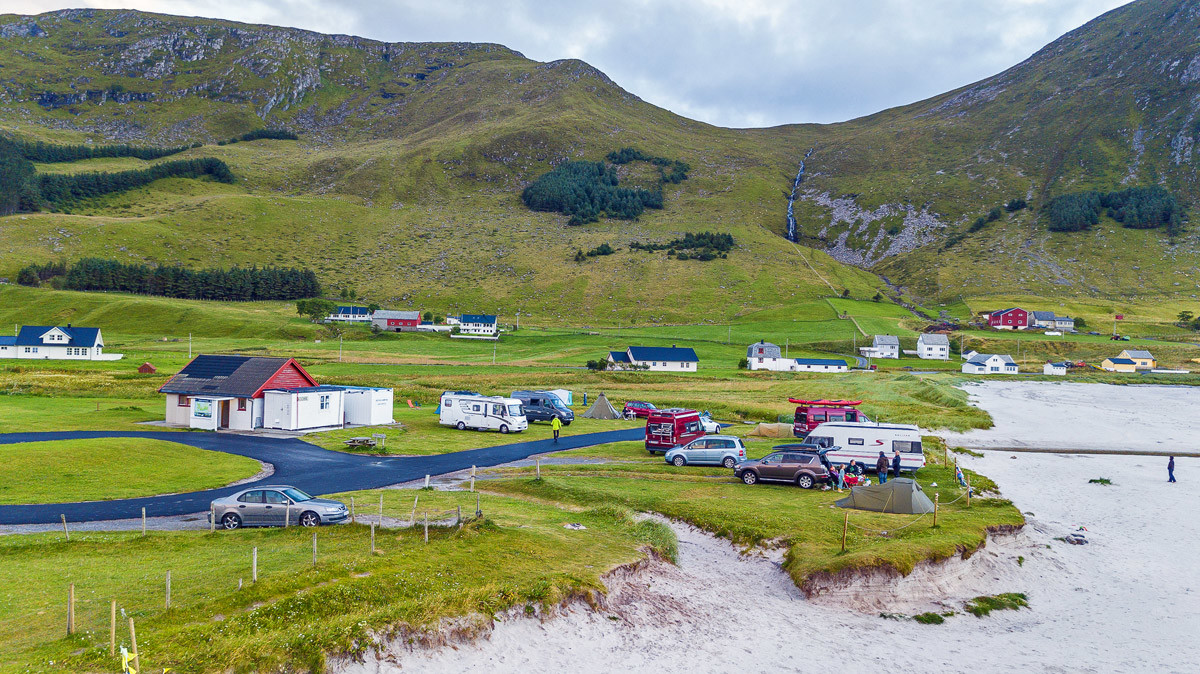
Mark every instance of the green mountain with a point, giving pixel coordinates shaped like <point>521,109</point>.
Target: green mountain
<point>405,183</point>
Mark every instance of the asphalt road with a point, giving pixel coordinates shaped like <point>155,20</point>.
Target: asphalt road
<point>298,463</point>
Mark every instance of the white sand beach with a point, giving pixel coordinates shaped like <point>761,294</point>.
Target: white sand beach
<point>1066,415</point>
<point>1127,602</point>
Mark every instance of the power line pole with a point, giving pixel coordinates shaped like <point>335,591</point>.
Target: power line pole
<point>189,346</point>
<point>339,348</point>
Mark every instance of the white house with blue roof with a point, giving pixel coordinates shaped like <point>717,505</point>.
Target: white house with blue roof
<point>49,342</point>
<point>659,358</point>
<point>349,315</point>
<point>477,324</point>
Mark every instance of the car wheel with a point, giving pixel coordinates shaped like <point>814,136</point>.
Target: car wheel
<point>679,461</point>
<point>504,428</point>
<point>805,481</point>
<point>729,462</point>
<point>749,477</point>
<point>461,426</point>
<point>566,423</point>
<point>310,519</point>
<point>231,521</point>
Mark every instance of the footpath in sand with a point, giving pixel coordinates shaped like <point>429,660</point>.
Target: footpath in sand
<point>1127,602</point>
<point>1066,415</point>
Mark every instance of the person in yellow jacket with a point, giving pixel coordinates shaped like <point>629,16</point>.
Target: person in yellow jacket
<point>556,426</point>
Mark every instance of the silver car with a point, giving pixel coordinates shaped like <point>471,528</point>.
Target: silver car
<point>713,450</point>
<point>275,506</point>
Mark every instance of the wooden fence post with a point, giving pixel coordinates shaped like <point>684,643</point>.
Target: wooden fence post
<point>968,481</point>
<point>472,478</point>
<point>427,480</point>
<point>212,518</point>
<point>478,512</point>
<point>143,521</point>
<point>935,508</point>
<point>381,508</point>
<point>112,628</point>
<point>254,565</point>
<point>845,529</point>
<point>372,538</point>
<point>426,527</point>
<point>351,510</point>
<point>137,664</point>
<point>412,519</point>
<point>314,549</point>
<point>71,609</point>
<point>65,530</point>
<point>287,515</point>
<point>538,462</point>
<point>168,603</point>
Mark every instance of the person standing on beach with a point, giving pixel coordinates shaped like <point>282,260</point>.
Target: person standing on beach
<point>1171,469</point>
<point>896,462</point>
<point>556,426</point>
<point>881,467</point>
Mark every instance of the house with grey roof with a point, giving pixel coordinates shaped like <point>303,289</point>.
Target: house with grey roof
<point>1142,359</point>
<point>990,363</point>
<point>767,356</point>
<point>1048,320</point>
<point>214,392</point>
<point>396,321</point>
<point>933,346</point>
<point>883,346</point>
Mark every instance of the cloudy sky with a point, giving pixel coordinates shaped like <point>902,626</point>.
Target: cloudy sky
<point>728,62</point>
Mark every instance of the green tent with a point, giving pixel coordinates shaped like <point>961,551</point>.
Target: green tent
<point>900,495</point>
<point>601,409</point>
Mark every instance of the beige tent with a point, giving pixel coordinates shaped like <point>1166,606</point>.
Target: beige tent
<point>601,409</point>
<point>772,431</point>
<point>900,495</point>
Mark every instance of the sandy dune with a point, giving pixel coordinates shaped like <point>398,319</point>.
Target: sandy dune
<point>1127,602</point>
<point>1054,415</point>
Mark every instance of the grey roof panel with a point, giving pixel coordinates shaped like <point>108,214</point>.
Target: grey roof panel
<point>239,376</point>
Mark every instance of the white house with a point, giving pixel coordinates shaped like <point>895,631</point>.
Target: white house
<point>349,315</point>
<point>819,365</point>
<point>883,346</point>
<point>304,408</point>
<point>767,356</point>
<point>1049,321</point>
<point>660,358</point>
<point>48,342</point>
<point>477,324</point>
<point>990,363</point>
<point>933,346</point>
<point>1058,369</point>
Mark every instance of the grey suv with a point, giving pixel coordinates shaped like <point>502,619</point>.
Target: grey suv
<point>713,450</point>
<point>273,506</point>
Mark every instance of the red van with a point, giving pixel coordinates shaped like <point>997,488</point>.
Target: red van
<point>670,428</point>
<point>813,413</point>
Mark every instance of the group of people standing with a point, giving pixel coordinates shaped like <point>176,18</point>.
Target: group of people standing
<point>838,474</point>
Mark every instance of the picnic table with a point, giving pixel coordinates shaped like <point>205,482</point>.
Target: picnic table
<point>361,441</point>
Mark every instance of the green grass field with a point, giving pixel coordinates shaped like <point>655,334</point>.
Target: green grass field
<point>112,468</point>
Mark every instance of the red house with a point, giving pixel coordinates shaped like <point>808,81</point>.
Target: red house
<point>1009,319</point>
<point>396,321</point>
<point>214,392</point>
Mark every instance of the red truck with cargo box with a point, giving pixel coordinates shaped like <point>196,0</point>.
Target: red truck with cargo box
<point>813,413</point>
<point>670,428</point>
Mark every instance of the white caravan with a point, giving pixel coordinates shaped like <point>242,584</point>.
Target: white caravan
<point>483,413</point>
<point>863,441</point>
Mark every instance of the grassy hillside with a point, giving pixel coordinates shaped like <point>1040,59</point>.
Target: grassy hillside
<point>404,186</point>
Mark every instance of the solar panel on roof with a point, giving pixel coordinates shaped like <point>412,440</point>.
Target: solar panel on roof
<point>208,367</point>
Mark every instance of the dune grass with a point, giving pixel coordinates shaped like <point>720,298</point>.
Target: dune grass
<point>102,469</point>
<point>518,555</point>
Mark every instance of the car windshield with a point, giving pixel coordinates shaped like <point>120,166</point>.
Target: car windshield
<point>296,495</point>
<point>514,410</point>
<point>559,404</point>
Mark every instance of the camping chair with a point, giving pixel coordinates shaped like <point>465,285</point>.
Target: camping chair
<point>413,405</point>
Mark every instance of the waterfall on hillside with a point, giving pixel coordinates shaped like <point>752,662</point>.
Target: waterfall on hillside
<point>791,218</point>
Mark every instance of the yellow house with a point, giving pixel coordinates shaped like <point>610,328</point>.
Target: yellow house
<point>1119,365</point>
<point>1142,359</point>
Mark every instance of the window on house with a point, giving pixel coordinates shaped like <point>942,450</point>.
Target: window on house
<point>241,404</point>
<point>183,401</point>
<point>856,441</point>
<point>324,402</point>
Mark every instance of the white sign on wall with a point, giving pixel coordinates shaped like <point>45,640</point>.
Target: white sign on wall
<point>202,409</point>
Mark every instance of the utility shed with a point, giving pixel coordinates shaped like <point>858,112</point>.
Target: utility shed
<point>367,405</point>
<point>304,408</point>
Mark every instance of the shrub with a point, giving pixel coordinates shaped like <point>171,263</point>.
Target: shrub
<point>981,606</point>
<point>1015,205</point>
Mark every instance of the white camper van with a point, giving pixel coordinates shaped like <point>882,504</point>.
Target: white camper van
<point>864,440</point>
<point>482,413</point>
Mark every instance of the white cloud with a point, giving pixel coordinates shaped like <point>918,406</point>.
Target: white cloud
<point>727,62</point>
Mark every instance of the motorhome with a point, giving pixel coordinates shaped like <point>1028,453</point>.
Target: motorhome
<point>482,413</point>
<point>864,440</point>
<point>813,413</point>
<point>672,427</point>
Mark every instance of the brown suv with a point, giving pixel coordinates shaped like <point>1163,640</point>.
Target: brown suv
<point>785,464</point>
